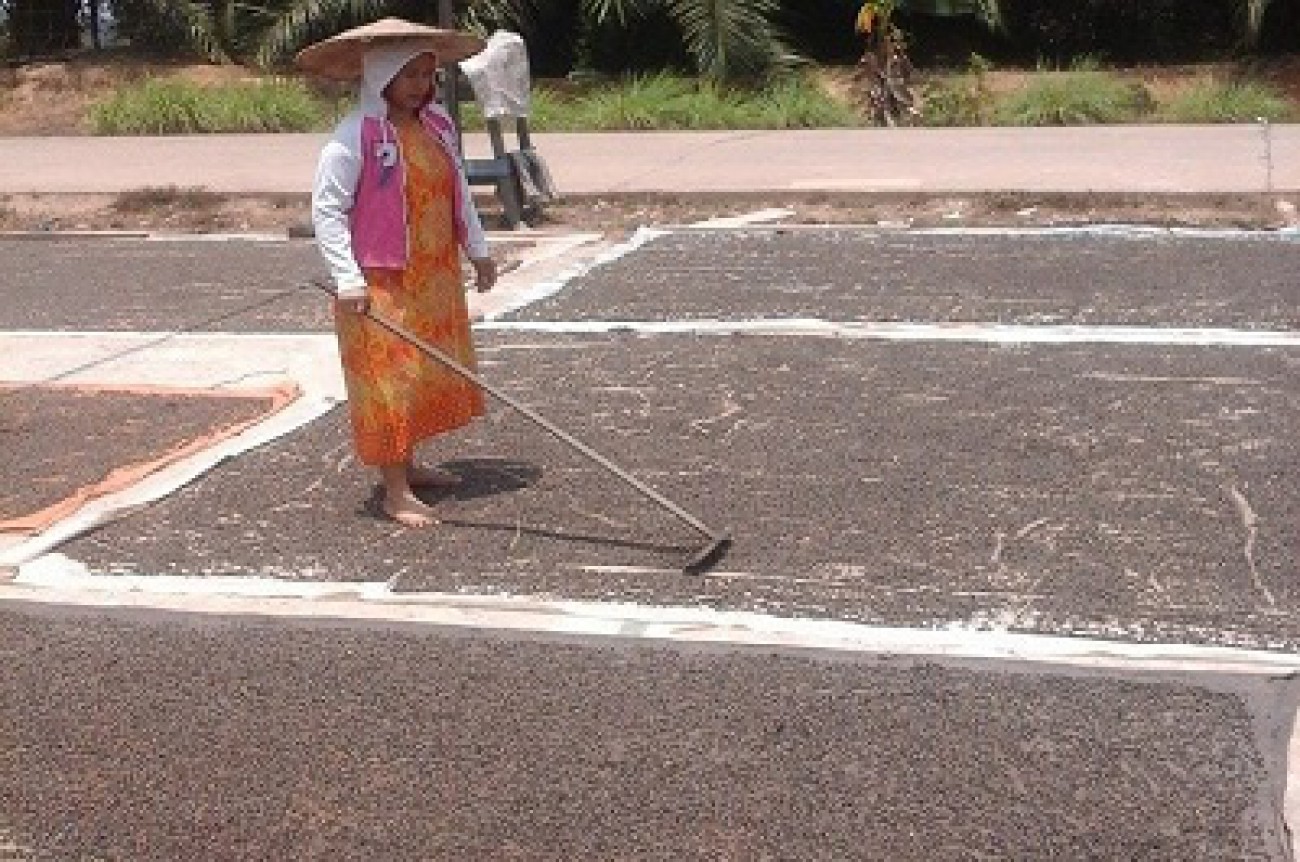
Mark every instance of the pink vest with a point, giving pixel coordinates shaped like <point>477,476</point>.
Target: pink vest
<point>378,216</point>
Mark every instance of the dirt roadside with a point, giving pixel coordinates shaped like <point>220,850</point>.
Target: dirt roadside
<point>173,210</point>
<point>54,98</point>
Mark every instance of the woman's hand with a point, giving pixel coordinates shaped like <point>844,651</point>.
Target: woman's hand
<point>485,273</point>
<point>353,305</point>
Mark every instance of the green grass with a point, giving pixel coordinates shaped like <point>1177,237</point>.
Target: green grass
<point>642,103</point>
<point>638,103</point>
<point>1226,102</point>
<point>668,102</point>
<point>796,103</point>
<point>961,99</point>
<point>1074,98</point>
<point>162,107</point>
<point>1084,94</point>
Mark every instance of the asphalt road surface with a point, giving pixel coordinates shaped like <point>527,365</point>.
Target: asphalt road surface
<point>1139,491</point>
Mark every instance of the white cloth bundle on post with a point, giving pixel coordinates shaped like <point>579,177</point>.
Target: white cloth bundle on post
<point>499,75</point>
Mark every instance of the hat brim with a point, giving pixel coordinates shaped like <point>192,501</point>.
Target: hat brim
<point>340,57</point>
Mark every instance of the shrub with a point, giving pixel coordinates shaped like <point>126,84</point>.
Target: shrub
<point>153,107</point>
<point>1217,101</point>
<point>1074,98</point>
<point>668,102</point>
<point>163,107</point>
<point>961,100</point>
<point>641,102</point>
<point>797,103</point>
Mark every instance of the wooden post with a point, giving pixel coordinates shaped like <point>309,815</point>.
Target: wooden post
<point>451,71</point>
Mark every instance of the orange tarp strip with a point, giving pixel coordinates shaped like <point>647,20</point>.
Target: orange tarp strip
<point>128,475</point>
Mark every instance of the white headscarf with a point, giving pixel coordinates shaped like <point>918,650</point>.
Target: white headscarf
<point>380,65</point>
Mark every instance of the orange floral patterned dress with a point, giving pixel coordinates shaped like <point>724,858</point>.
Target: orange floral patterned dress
<point>397,396</point>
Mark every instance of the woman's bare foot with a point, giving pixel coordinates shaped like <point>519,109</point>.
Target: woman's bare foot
<point>433,477</point>
<point>409,510</point>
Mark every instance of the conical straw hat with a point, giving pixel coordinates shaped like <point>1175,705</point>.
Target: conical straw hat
<point>340,56</point>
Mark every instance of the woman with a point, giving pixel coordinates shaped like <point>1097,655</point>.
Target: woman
<point>392,211</point>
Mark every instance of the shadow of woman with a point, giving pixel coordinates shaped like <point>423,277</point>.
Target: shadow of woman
<point>489,477</point>
<point>481,478</point>
<point>477,478</point>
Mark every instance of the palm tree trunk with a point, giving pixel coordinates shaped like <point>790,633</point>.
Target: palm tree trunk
<point>1254,28</point>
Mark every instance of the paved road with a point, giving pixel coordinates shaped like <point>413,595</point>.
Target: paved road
<point>1131,159</point>
<point>1122,479</point>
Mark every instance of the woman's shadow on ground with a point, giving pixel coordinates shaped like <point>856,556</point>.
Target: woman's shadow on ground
<point>481,478</point>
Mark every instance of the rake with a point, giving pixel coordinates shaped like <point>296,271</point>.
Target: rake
<point>700,560</point>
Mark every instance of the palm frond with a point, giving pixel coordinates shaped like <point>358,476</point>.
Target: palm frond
<point>618,11</point>
<point>729,39</point>
<point>519,16</point>
<point>197,26</point>
<point>307,21</point>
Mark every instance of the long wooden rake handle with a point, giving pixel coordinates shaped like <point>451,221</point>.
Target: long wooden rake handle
<point>718,541</point>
